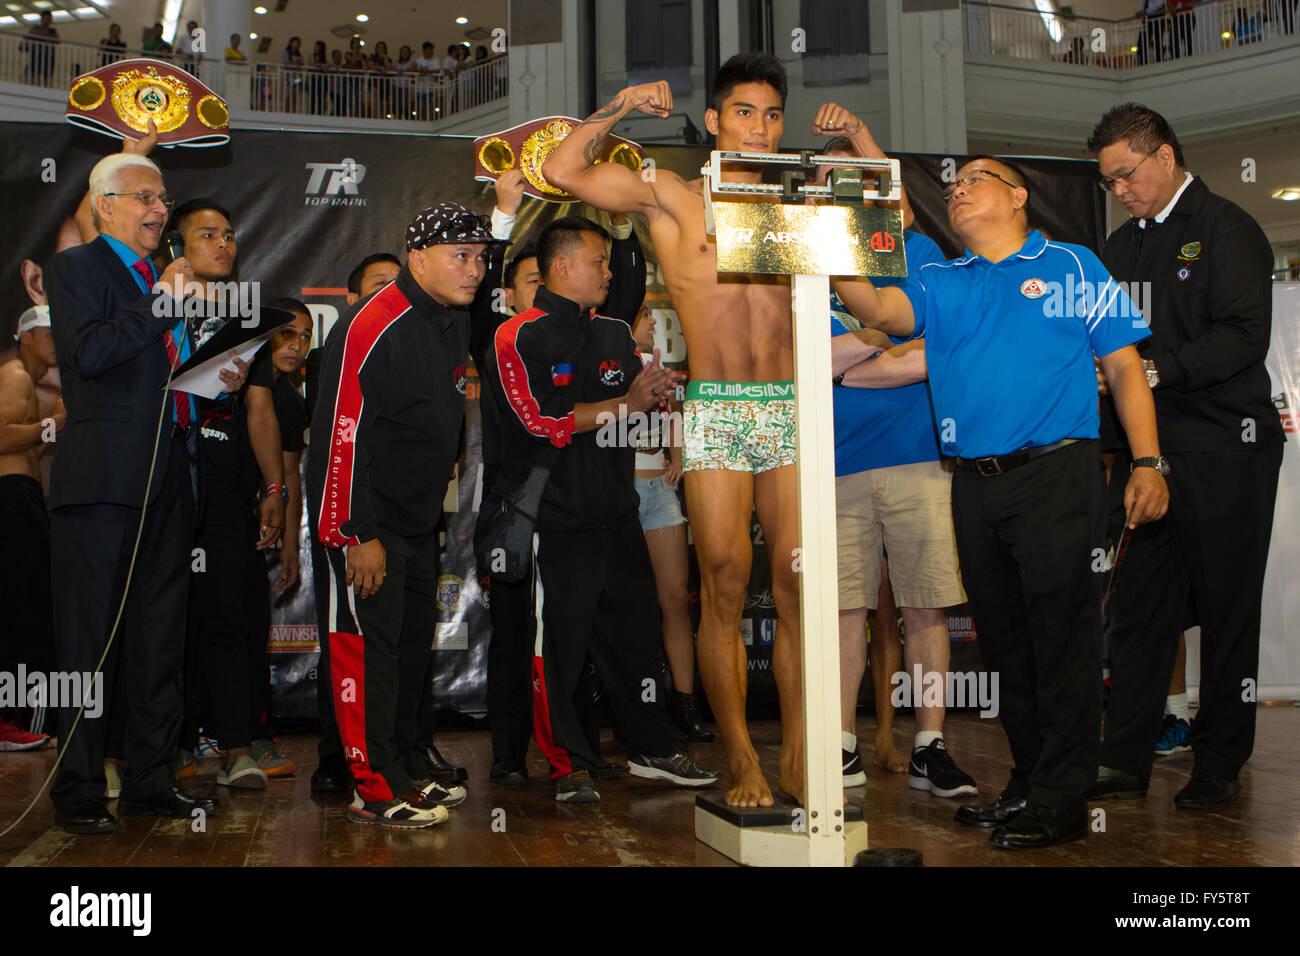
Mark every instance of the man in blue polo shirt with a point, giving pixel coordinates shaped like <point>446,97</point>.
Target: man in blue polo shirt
<point>1011,329</point>
<point>891,489</point>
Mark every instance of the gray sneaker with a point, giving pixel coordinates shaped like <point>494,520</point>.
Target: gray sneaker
<point>679,769</point>
<point>270,761</point>
<point>243,774</point>
<point>576,787</point>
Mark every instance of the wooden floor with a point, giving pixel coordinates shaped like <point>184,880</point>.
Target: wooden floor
<point>638,823</point>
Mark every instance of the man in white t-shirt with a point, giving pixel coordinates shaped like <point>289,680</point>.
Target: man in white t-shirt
<point>427,65</point>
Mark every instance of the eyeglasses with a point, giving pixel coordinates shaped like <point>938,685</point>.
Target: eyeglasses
<point>974,179</point>
<point>1109,184</point>
<point>149,197</point>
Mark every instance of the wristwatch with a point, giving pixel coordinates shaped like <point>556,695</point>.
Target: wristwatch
<point>839,379</point>
<point>1149,369</point>
<point>1160,464</point>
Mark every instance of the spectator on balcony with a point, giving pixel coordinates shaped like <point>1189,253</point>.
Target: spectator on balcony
<point>1184,22</point>
<point>112,46</point>
<point>316,78</point>
<point>233,53</point>
<point>291,63</point>
<point>402,85</point>
<point>1151,44</point>
<point>185,48</point>
<point>40,50</point>
<point>155,45</point>
<point>354,61</point>
<point>381,82</point>
<point>334,82</point>
<point>426,65</point>
<point>452,64</point>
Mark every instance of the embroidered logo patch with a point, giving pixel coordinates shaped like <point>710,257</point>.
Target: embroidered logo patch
<point>1184,273</point>
<point>611,373</point>
<point>1033,288</point>
<point>459,378</point>
<point>563,374</point>
<point>1190,251</point>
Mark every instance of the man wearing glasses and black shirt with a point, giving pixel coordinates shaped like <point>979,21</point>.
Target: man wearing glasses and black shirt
<point>1209,268</point>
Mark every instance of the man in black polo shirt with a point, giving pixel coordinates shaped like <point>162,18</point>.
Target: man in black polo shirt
<point>383,443</point>
<point>1208,266</point>
<point>563,374</point>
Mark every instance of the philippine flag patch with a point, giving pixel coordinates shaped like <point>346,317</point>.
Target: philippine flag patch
<point>563,374</point>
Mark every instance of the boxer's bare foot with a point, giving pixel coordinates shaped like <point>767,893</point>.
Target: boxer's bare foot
<point>887,756</point>
<point>748,788</point>
<point>790,780</point>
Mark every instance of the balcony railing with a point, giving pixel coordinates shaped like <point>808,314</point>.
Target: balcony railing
<point>271,87</point>
<point>36,61</point>
<point>359,94</point>
<point>1123,44</point>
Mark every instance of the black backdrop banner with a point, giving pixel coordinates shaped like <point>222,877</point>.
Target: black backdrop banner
<point>308,206</point>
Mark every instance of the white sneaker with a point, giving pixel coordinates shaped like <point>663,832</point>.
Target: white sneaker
<point>243,774</point>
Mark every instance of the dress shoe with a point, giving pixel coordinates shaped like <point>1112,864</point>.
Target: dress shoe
<point>510,773</point>
<point>994,814</point>
<point>686,715</point>
<point>442,771</point>
<point>1115,784</point>
<point>1206,790</point>
<point>173,802</point>
<point>85,816</point>
<point>331,776</point>
<point>1037,826</point>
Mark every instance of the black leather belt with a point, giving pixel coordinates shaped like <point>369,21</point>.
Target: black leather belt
<point>995,465</point>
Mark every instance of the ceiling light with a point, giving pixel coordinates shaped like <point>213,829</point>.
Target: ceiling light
<point>259,10</point>
<point>15,7</point>
<point>462,20</point>
<point>8,21</point>
<point>252,36</point>
<point>1287,193</point>
<point>1226,35</point>
<point>31,17</point>
<point>42,4</point>
<point>362,18</point>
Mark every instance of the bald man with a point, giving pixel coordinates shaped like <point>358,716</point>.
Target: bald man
<point>1012,383</point>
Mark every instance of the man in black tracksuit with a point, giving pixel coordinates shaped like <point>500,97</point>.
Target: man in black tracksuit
<point>1208,265</point>
<point>566,375</point>
<point>504,293</point>
<point>383,443</point>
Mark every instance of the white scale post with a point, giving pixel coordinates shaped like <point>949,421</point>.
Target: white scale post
<point>809,243</point>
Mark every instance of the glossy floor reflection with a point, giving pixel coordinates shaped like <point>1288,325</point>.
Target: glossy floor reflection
<point>638,823</point>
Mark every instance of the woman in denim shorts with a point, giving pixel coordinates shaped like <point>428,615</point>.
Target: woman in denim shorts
<point>658,473</point>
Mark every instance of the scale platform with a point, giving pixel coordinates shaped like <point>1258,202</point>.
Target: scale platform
<point>767,836</point>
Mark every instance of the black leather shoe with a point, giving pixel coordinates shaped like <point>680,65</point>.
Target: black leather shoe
<point>170,803</point>
<point>331,776</point>
<point>992,814</point>
<point>509,773</point>
<point>686,715</point>
<point>1037,826</point>
<point>442,771</point>
<point>85,816</point>
<point>1115,784</point>
<point>1206,790</point>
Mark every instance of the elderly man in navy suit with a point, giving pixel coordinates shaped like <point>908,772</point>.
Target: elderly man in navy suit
<point>123,499</point>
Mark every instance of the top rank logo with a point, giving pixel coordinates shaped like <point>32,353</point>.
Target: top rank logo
<point>1033,288</point>
<point>340,189</point>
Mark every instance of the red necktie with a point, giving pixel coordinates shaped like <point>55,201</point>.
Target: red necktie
<point>181,400</point>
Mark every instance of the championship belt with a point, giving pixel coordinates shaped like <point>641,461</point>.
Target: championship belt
<point>118,100</point>
<point>527,147</point>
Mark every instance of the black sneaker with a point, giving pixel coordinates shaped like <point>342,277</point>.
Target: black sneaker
<point>679,769</point>
<point>931,768</point>
<point>576,787</point>
<point>412,813</point>
<point>609,771</point>
<point>445,795</point>
<point>511,773</point>
<point>854,775</point>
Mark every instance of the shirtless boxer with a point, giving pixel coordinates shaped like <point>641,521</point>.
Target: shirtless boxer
<point>739,415</point>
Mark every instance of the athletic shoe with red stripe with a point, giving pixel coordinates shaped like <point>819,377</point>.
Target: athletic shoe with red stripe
<point>444,795</point>
<point>13,737</point>
<point>414,812</point>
